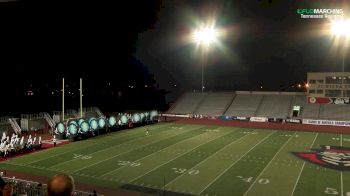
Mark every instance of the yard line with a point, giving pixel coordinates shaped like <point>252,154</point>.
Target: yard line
<point>207,158</point>
<point>160,150</point>
<point>302,168</point>
<point>55,155</point>
<point>341,183</point>
<point>341,172</point>
<point>130,151</point>
<point>235,162</point>
<point>114,146</point>
<point>256,179</point>
<point>88,144</point>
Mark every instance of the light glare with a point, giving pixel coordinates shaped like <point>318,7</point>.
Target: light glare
<point>341,27</point>
<point>206,35</point>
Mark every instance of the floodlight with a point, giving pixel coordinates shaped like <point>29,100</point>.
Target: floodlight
<point>341,27</point>
<point>205,35</point>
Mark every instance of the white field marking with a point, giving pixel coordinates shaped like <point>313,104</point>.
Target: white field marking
<point>217,177</point>
<point>112,135</point>
<point>341,172</point>
<point>88,144</point>
<point>302,168</point>
<point>256,179</point>
<point>114,146</point>
<point>31,166</point>
<point>155,141</point>
<point>228,145</point>
<point>341,139</point>
<point>138,160</point>
<point>73,149</point>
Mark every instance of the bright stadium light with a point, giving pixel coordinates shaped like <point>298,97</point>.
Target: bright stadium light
<point>341,27</point>
<point>205,35</point>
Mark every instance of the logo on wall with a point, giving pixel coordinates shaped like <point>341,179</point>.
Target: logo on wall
<point>328,100</point>
<point>334,157</point>
<point>312,100</point>
<point>340,100</point>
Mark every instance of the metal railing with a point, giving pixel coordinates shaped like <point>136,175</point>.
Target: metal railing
<point>15,125</point>
<point>48,119</point>
<point>98,111</point>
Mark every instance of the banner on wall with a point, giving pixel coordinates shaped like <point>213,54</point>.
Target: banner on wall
<point>293,120</point>
<point>176,115</point>
<point>258,119</point>
<point>328,100</point>
<point>326,122</point>
<point>242,118</point>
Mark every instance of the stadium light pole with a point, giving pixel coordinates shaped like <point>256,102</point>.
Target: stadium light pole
<point>62,99</point>
<point>81,97</point>
<point>204,37</point>
<point>341,28</point>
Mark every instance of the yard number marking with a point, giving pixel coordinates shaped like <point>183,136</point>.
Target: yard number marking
<point>183,170</point>
<point>211,130</point>
<point>80,156</point>
<point>287,135</point>
<point>249,132</point>
<point>249,179</point>
<point>128,163</point>
<point>332,191</point>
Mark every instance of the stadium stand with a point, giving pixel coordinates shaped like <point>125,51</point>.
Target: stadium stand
<point>307,110</point>
<point>215,103</point>
<point>275,106</point>
<point>262,104</point>
<point>336,112</point>
<point>244,105</point>
<point>188,103</point>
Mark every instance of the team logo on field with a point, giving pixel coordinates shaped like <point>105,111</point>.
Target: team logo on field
<point>335,157</point>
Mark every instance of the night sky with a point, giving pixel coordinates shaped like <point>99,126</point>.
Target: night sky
<point>133,53</point>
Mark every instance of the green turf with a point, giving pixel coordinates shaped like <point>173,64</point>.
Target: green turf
<point>194,159</point>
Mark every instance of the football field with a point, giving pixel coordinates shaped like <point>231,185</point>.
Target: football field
<point>179,159</point>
